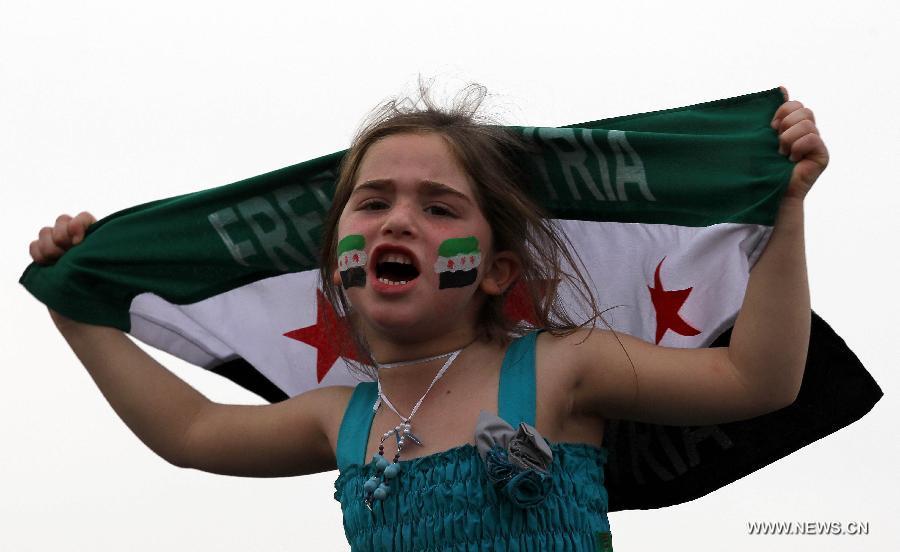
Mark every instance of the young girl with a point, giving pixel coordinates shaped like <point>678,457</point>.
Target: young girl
<point>476,434</point>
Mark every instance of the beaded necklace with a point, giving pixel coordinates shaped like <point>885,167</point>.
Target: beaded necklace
<point>377,487</point>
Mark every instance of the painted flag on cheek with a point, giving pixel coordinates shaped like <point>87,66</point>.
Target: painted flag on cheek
<point>457,262</point>
<point>669,210</point>
<point>352,260</point>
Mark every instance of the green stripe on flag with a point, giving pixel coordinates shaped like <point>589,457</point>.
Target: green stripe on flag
<point>351,242</point>
<point>698,165</point>
<point>692,166</point>
<point>458,246</point>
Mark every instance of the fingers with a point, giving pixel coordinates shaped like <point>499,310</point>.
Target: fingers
<point>53,242</point>
<point>789,109</point>
<point>795,117</point>
<point>78,226</point>
<point>44,250</point>
<point>798,137</point>
<point>795,124</point>
<point>790,136</point>
<point>809,145</point>
<point>60,232</point>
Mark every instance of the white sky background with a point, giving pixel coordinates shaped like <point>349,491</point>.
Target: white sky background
<point>104,105</point>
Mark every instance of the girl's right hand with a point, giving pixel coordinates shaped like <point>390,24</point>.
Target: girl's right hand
<point>53,242</point>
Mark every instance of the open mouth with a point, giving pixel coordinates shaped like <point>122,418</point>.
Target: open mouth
<point>395,272</point>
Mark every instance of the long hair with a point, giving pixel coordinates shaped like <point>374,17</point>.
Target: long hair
<point>492,157</point>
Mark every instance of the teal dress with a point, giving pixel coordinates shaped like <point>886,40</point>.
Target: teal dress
<point>445,501</point>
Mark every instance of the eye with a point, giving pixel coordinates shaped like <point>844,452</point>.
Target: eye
<point>374,205</point>
<point>440,211</point>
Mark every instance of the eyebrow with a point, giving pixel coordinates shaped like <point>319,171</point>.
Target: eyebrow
<point>427,188</point>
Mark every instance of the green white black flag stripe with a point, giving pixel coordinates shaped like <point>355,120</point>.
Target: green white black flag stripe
<point>681,199</point>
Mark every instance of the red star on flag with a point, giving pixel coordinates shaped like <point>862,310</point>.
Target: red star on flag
<point>330,335</point>
<point>518,305</point>
<point>667,303</point>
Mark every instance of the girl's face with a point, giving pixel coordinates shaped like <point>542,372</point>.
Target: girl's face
<point>415,248</point>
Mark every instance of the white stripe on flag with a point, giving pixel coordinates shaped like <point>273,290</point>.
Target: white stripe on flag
<point>252,320</point>
<point>249,322</point>
<point>715,261</point>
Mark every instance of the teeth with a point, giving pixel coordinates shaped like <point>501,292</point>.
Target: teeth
<point>395,258</point>
<point>390,283</point>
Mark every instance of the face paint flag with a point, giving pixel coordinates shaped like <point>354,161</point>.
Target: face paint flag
<point>669,210</point>
<point>352,260</point>
<point>457,262</point>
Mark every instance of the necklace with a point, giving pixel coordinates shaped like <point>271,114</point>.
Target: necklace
<point>377,487</point>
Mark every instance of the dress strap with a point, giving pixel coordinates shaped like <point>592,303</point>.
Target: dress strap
<point>353,436</point>
<point>516,398</point>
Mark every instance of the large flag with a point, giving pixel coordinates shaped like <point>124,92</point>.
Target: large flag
<point>668,209</point>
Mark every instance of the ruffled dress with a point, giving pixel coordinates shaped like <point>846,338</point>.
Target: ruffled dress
<point>446,502</point>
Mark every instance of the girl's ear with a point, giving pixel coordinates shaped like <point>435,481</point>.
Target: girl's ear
<point>503,272</point>
<point>336,277</point>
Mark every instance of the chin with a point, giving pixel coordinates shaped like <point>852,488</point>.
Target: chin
<point>409,327</point>
<point>410,320</point>
<point>405,333</point>
<point>393,320</point>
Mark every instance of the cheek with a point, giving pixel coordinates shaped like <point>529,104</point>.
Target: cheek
<point>458,262</point>
<point>351,261</point>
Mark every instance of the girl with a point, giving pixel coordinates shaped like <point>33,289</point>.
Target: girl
<point>429,228</point>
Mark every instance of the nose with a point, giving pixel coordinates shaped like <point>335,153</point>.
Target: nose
<point>400,220</point>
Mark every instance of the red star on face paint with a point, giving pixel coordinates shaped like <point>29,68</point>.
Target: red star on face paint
<point>667,303</point>
<point>330,335</point>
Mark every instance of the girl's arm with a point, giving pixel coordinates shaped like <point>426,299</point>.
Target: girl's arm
<point>152,401</point>
<point>762,369</point>
<point>770,339</point>
<point>188,430</point>
<point>176,421</point>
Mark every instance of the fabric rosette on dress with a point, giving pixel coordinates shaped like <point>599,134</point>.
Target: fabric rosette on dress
<point>517,461</point>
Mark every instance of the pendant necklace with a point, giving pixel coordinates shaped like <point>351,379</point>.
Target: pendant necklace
<point>377,487</point>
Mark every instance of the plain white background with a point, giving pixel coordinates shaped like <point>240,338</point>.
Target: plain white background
<point>104,105</point>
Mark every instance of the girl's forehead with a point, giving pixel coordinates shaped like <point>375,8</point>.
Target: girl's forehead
<point>412,159</point>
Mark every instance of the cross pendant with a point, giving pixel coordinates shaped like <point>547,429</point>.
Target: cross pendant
<point>402,432</point>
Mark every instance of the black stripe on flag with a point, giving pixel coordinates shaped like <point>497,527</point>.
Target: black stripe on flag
<point>652,466</point>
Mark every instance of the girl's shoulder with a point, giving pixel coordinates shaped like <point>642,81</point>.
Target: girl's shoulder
<point>594,368</point>
<point>554,355</point>
<point>561,355</point>
<point>331,404</point>
<point>569,356</point>
<point>557,380</point>
<point>618,376</point>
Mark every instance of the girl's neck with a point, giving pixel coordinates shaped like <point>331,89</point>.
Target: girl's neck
<point>412,379</point>
<point>389,349</point>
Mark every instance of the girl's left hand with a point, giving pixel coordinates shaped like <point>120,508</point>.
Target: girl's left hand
<point>799,138</point>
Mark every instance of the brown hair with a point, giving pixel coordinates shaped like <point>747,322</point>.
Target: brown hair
<point>490,155</point>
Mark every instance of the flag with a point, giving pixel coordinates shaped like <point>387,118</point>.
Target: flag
<point>668,209</point>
